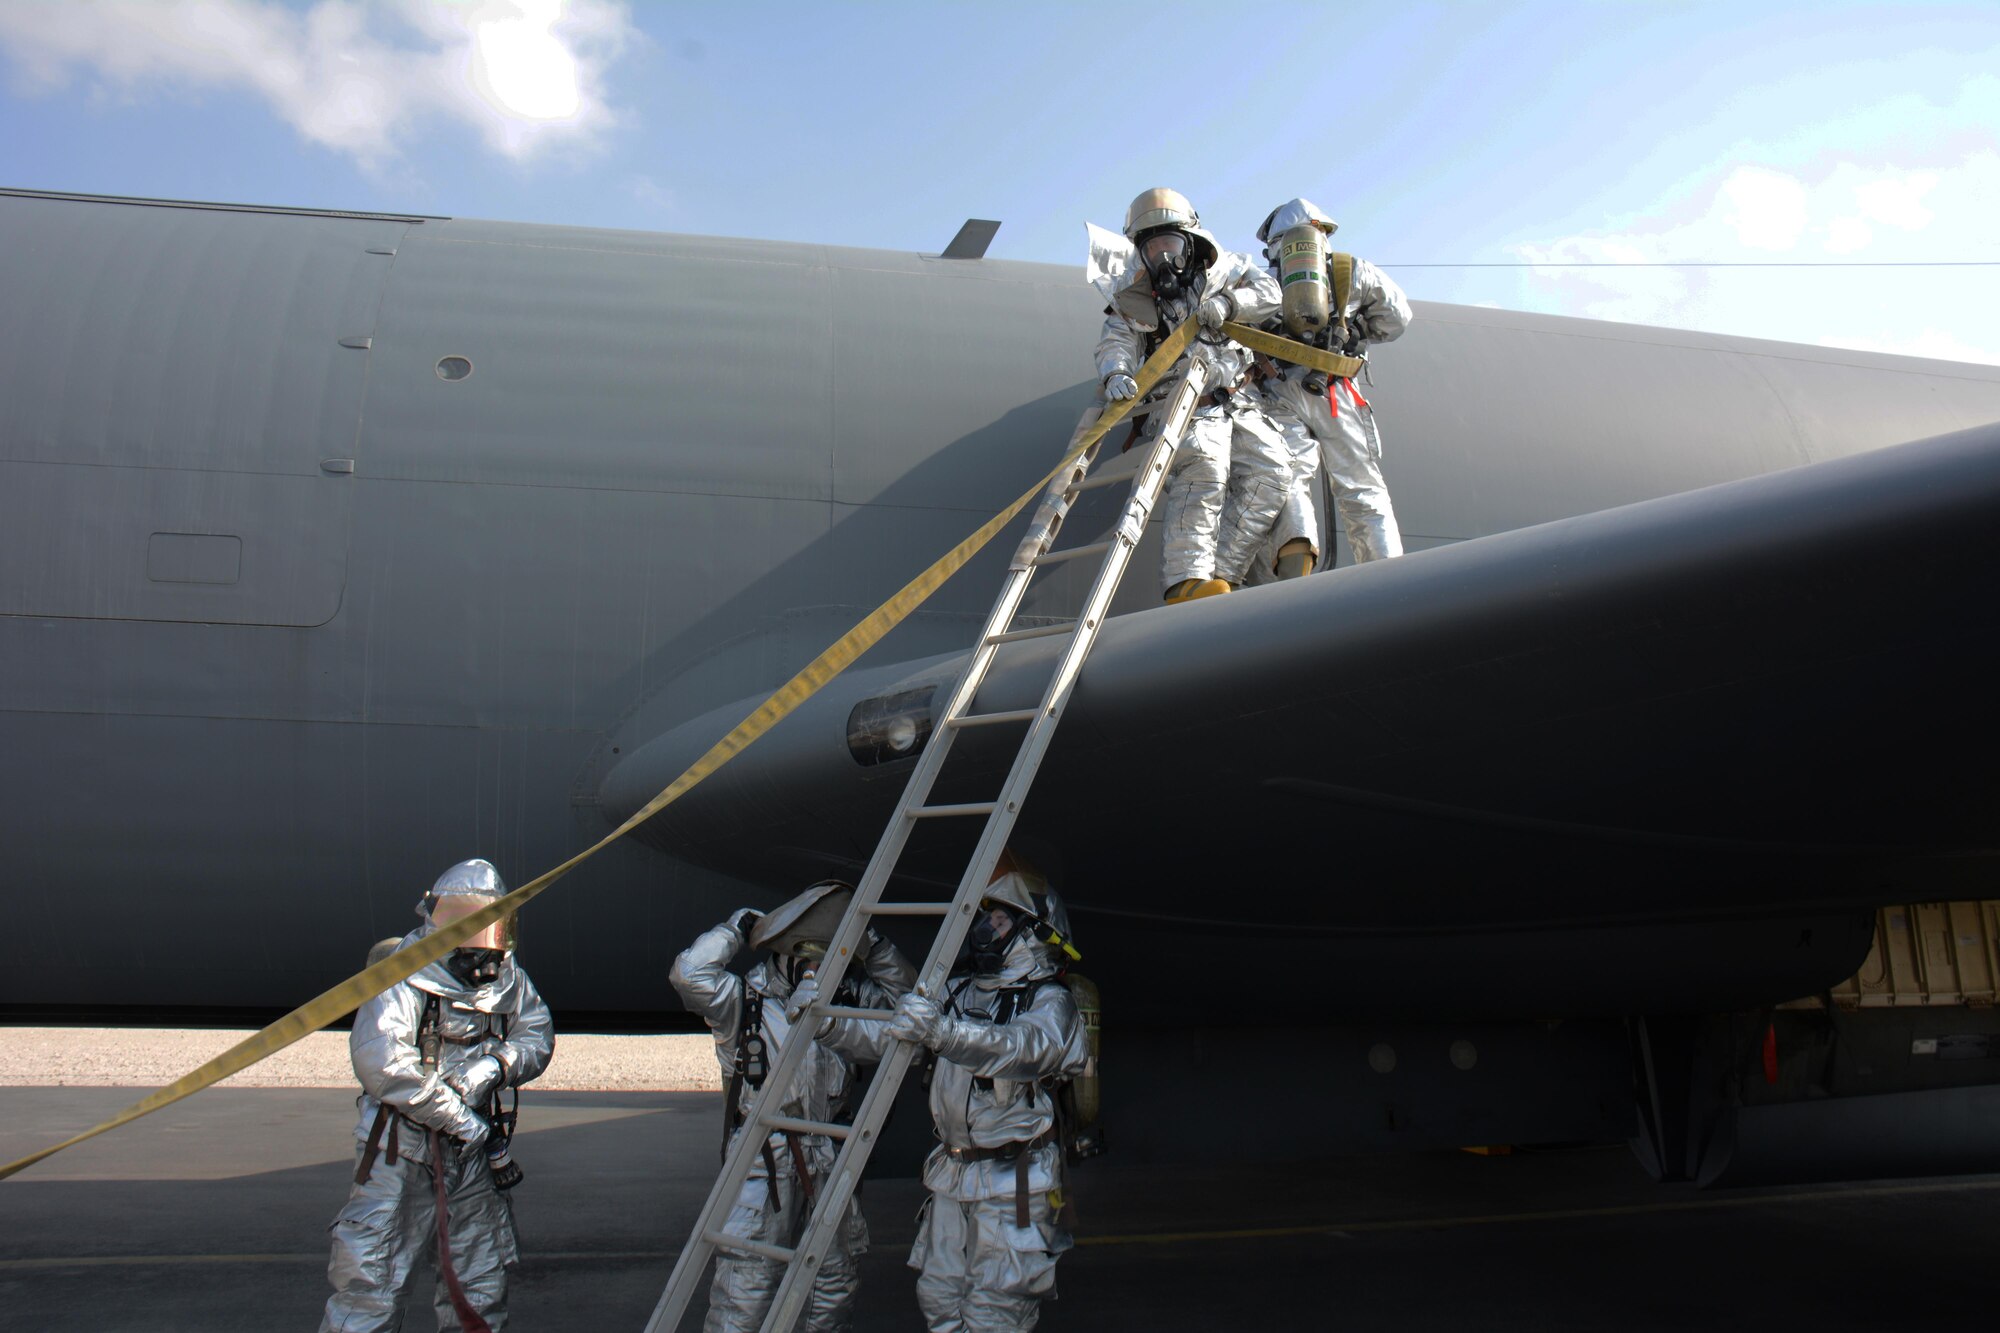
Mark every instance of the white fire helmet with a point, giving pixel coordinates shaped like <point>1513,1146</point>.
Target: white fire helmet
<point>1290,214</point>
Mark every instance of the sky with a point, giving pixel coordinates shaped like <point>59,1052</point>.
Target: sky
<point>1820,172</point>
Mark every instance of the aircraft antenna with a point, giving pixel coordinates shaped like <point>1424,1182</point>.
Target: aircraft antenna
<point>972,239</point>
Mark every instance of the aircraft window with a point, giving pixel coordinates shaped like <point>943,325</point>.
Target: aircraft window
<point>453,368</point>
<point>889,727</point>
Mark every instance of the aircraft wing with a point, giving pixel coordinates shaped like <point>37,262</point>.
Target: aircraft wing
<point>1670,754</point>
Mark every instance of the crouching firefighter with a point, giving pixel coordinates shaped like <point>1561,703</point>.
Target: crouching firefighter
<point>1004,1039</point>
<point>433,1054</point>
<point>751,1019</point>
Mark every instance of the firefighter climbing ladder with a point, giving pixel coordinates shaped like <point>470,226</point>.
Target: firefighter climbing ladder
<point>1037,551</point>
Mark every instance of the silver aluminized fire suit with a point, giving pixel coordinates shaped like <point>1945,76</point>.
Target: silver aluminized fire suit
<point>1350,444</point>
<point>1232,454</point>
<point>388,1231</point>
<point>774,1209</point>
<point>1000,1040</point>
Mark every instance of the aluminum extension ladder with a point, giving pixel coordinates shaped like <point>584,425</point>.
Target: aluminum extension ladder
<point>856,1140</point>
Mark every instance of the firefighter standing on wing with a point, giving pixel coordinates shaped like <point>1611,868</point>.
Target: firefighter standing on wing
<point>1004,1035</point>
<point>751,1018</point>
<point>433,1054</point>
<point>1166,268</point>
<point>1347,304</point>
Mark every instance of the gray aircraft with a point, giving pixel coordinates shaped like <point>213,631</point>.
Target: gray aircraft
<point>338,547</point>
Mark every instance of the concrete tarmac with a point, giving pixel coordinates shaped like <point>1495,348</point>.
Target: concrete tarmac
<point>211,1215</point>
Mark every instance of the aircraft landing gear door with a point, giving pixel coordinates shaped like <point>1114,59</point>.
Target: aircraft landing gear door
<point>184,387</point>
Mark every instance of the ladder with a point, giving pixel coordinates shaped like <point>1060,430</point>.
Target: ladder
<point>1037,551</point>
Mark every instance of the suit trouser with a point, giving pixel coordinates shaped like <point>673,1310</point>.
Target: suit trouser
<point>1350,455</point>
<point>386,1237</point>
<point>744,1285</point>
<point>1226,486</point>
<point>977,1271</point>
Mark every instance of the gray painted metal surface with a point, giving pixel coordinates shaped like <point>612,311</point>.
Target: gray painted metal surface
<point>249,700</point>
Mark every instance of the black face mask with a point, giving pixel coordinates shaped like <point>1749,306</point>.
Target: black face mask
<point>985,949</point>
<point>1166,281</point>
<point>475,967</point>
<point>1174,271</point>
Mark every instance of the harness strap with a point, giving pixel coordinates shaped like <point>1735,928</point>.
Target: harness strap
<point>799,1164</point>
<point>1006,1152</point>
<point>427,1032</point>
<point>367,1167</point>
<point>750,1051</point>
<point>1020,1154</point>
<point>427,1052</point>
<point>730,1093</point>
<point>1342,267</point>
<point>771,1177</point>
<point>470,1319</point>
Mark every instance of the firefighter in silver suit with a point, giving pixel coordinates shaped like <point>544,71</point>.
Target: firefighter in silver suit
<point>1165,268</point>
<point>1005,1032</point>
<point>751,1018</point>
<point>432,1054</point>
<point>1373,309</point>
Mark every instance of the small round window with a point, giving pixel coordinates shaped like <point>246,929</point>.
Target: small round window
<point>454,368</point>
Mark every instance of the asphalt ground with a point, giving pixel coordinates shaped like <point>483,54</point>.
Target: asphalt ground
<point>211,1215</point>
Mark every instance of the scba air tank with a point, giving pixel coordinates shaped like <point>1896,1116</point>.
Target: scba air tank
<point>1087,1134</point>
<point>1302,275</point>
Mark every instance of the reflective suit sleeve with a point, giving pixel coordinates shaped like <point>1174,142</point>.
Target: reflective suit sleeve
<point>1120,349</point>
<point>892,973</point>
<point>1255,291</point>
<point>1043,1040</point>
<point>705,984</point>
<point>888,976</point>
<point>531,1036</point>
<point>383,1045</point>
<point>1378,304</point>
<point>865,1040</point>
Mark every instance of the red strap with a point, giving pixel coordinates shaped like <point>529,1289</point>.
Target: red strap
<point>1333,399</point>
<point>470,1318</point>
<point>1356,391</point>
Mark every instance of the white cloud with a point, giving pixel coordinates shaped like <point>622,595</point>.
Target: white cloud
<point>1846,235</point>
<point>1843,210</point>
<point>1767,209</point>
<point>1898,200</point>
<point>357,76</point>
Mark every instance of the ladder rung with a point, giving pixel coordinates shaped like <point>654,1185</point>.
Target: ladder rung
<point>1032,632</point>
<point>791,1125</point>
<point>1102,479</point>
<point>992,719</point>
<point>743,1245</point>
<point>1057,557</point>
<point>850,1011</point>
<point>910,909</point>
<point>948,811</point>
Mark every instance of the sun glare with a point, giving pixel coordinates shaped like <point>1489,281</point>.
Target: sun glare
<point>519,65</point>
